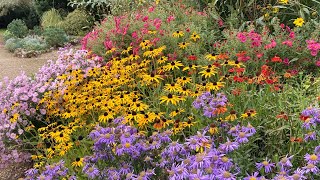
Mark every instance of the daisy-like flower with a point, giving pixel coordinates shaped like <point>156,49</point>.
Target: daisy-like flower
<point>311,168</point>
<point>285,162</point>
<point>208,71</point>
<point>229,146</point>
<point>173,65</point>
<point>178,34</point>
<point>298,175</point>
<point>170,98</point>
<point>312,158</point>
<point>211,57</point>
<point>78,162</point>
<point>253,176</point>
<point>266,165</point>
<point>298,22</point>
<point>173,87</point>
<point>232,116</point>
<point>194,36</point>
<point>183,45</point>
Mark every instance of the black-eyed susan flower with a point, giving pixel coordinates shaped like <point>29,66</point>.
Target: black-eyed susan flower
<point>232,116</point>
<point>173,65</point>
<point>208,71</point>
<point>177,34</point>
<point>173,87</point>
<point>183,80</point>
<point>211,57</point>
<point>194,36</point>
<point>183,45</point>
<point>170,98</point>
<point>176,112</point>
<point>77,163</point>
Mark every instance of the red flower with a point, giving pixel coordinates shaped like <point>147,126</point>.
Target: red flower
<point>192,57</point>
<point>304,118</point>
<point>276,59</point>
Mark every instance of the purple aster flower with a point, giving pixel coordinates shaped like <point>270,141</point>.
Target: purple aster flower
<point>317,150</point>
<point>242,137</point>
<point>312,158</point>
<point>266,165</point>
<point>311,168</point>
<point>208,111</point>
<point>199,175</point>
<point>178,172</point>
<point>229,146</point>
<point>285,162</point>
<point>125,169</point>
<point>310,136</point>
<point>253,176</point>
<point>298,175</point>
<point>225,175</point>
<point>200,160</point>
<point>92,172</point>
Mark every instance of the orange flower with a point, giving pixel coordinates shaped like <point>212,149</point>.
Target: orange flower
<point>287,75</point>
<point>220,110</point>
<point>222,56</point>
<point>298,139</point>
<point>236,92</point>
<point>282,115</point>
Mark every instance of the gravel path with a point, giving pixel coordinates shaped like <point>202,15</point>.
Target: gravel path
<point>12,66</point>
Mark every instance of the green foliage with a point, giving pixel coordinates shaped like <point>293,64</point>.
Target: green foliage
<point>42,6</point>
<point>33,43</point>
<point>18,28</point>
<point>51,18</point>
<point>7,35</point>
<point>76,23</point>
<point>55,36</point>
<point>29,43</point>
<point>37,30</point>
<point>18,9</point>
<point>96,8</point>
<point>13,44</point>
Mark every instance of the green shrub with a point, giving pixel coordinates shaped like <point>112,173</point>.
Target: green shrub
<point>18,28</point>
<point>37,30</point>
<point>55,36</point>
<point>7,35</point>
<point>76,23</point>
<point>51,18</point>
<point>13,44</point>
<point>33,43</point>
<point>42,6</point>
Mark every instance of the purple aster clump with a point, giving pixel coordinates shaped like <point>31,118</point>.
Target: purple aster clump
<point>53,171</point>
<point>209,103</point>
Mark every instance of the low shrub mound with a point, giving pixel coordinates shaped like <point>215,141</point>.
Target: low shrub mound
<point>18,28</point>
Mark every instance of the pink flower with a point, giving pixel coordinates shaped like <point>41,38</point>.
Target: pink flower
<point>282,25</point>
<point>273,44</point>
<point>157,23</point>
<point>242,37</point>
<point>151,9</point>
<point>286,61</point>
<point>170,18</point>
<point>318,63</point>
<point>108,44</point>
<point>292,35</point>
<point>144,19</point>
<point>287,42</point>
<point>134,35</point>
<point>220,22</point>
